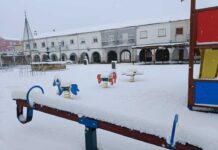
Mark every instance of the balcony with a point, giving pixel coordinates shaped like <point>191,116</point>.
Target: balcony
<point>118,42</point>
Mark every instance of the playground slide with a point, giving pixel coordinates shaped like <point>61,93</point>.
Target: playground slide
<point>209,64</point>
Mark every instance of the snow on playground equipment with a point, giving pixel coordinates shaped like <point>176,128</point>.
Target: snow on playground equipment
<point>203,92</point>
<point>65,88</point>
<point>29,114</point>
<point>131,73</point>
<point>45,104</point>
<point>105,79</point>
<point>92,124</point>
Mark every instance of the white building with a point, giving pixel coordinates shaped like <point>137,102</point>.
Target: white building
<point>74,47</point>
<point>163,42</point>
<point>158,42</point>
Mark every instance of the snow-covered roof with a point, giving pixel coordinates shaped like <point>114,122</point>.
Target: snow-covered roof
<point>11,38</point>
<point>125,24</point>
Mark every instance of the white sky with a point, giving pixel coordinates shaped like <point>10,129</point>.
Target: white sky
<point>45,15</point>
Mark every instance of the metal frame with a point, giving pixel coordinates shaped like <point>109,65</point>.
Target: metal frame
<point>193,46</point>
<point>92,124</point>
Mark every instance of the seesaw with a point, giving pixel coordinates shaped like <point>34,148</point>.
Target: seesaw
<point>48,105</point>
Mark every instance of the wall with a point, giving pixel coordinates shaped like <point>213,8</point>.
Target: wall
<point>185,24</point>
<point>152,34</point>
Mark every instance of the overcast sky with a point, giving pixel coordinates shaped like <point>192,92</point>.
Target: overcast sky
<point>45,15</point>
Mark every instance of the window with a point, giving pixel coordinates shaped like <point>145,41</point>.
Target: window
<point>162,32</point>
<point>43,44</point>
<point>143,34</point>
<point>95,40</point>
<point>111,38</point>
<point>34,45</point>
<point>179,31</point>
<point>71,41</point>
<point>27,46</point>
<point>62,43</point>
<point>83,41</point>
<point>52,44</point>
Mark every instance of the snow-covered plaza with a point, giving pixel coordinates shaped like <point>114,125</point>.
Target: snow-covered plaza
<point>147,105</point>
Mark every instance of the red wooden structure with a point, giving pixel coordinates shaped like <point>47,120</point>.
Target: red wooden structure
<point>204,35</point>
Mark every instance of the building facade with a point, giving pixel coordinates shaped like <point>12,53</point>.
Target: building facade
<point>158,42</point>
<point>163,42</point>
<point>117,44</point>
<point>11,51</point>
<point>8,45</point>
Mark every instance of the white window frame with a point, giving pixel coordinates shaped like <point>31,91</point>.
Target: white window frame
<point>111,38</point>
<point>43,45</point>
<point>72,41</point>
<point>162,32</point>
<point>52,44</point>
<point>35,45</point>
<point>83,41</point>
<point>144,34</point>
<point>95,40</point>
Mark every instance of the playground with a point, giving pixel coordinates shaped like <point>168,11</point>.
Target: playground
<point>147,105</point>
<point>167,106</point>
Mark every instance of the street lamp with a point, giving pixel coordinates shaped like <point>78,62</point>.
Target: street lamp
<point>48,52</point>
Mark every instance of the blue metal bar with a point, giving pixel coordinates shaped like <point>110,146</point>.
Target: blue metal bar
<point>29,114</point>
<point>28,93</point>
<point>90,132</point>
<point>89,123</point>
<point>173,131</point>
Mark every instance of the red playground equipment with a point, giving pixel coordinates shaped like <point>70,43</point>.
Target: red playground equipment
<point>203,92</point>
<point>105,79</point>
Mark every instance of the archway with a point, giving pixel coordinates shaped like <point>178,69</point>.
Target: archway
<point>36,58</point>
<point>44,57</point>
<point>63,57</point>
<point>54,57</point>
<point>162,55</point>
<point>180,54</point>
<point>83,56</point>
<point>142,55</point>
<point>112,55</point>
<point>148,55</point>
<point>125,56</point>
<point>96,58</point>
<point>145,55</point>
<point>73,57</point>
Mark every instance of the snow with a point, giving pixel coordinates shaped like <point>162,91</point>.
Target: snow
<point>148,105</point>
<point>52,62</point>
<point>99,28</point>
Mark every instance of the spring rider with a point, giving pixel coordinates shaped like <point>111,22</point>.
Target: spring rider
<point>131,73</point>
<point>66,88</point>
<point>105,79</point>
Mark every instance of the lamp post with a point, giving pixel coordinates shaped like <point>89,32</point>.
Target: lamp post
<point>48,52</point>
<point>60,50</point>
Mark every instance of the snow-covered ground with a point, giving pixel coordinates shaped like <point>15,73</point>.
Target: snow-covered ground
<point>148,105</point>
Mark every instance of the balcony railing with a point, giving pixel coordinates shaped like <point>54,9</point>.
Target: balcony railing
<point>118,42</point>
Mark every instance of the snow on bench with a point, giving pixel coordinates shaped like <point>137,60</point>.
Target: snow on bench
<point>199,129</point>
